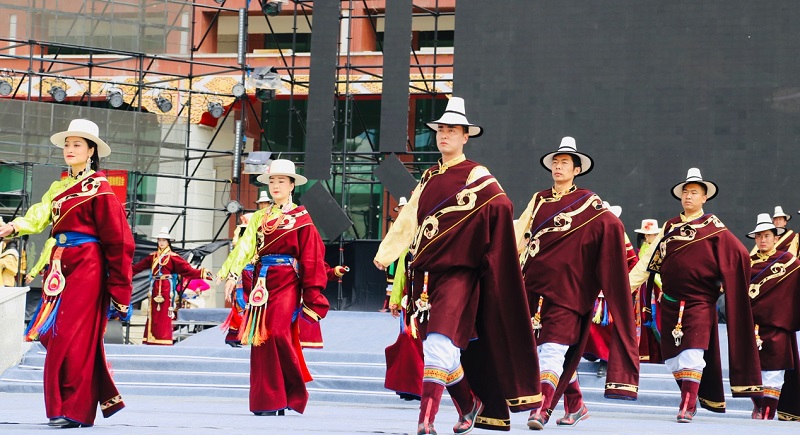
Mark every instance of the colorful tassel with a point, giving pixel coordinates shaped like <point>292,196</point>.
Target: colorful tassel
<point>598,311</point>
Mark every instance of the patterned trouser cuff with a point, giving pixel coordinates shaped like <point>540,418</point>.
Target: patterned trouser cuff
<point>435,374</point>
<point>549,377</point>
<point>688,375</point>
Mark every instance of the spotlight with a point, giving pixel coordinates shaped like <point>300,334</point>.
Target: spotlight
<point>265,95</point>
<point>5,86</point>
<point>58,93</point>
<point>215,109</point>
<point>238,90</point>
<point>272,7</point>
<point>220,2</point>
<point>163,102</point>
<point>257,162</point>
<point>114,97</point>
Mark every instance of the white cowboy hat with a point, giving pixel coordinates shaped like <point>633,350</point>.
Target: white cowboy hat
<point>693,176</point>
<point>283,167</point>
<point>85,129</point>
<point>455,114</point>
<point>779,213</point>
<point>164,234</point>
<point>614,209</point>
<point>263,197</point>
<point>568,147</point>
<point>649,226</point>
<point>764,223</point>
<point>403,201</point>
<point>245,220</point>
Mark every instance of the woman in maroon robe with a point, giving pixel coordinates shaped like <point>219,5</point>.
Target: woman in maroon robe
<point>288,282</point>
<point>167,269</point>
<point>89,272</point>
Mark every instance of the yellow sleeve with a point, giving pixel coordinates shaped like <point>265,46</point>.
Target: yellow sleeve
<point>523,224</point>
<point>399,237</point>
<point>44,257</point>
<point>399,281</point>
<point>793,246</point>
<point>639,274</point>
<point>244,251</point>
<point>39,215</point>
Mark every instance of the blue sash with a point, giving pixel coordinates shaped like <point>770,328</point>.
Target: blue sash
<point>69,239</point>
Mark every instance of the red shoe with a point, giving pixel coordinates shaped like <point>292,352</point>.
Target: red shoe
<point>572,418</point>
<point>426,428</point>
<point>538,419</point>
<point>467,421</point>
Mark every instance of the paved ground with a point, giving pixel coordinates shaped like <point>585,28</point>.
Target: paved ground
<point>144,415</point>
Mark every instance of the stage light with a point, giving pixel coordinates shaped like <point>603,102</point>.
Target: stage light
<point>164,102</point>
<point>257,162</point>
<point>220,2</point>
<point>58,93</point>
<point>272,7</point>
<point>5,86</point>
<point>265,95</point>
<point>114,97</point>
<point>215,109</point>
<point>238,145</point>
<point>241,40</point>
<point>238,90</point>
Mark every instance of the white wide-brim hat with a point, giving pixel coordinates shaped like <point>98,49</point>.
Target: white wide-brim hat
<point>568,147</point>
<point>283,167</point>
<point>85,129</point>
<point>263,197</point>
<point>403,201</point>
<point>764,223</point>
<point>164,234</point>
<point>614,209</point>
<point>693,176</point>
<point>454,114</point>
<point>649,226</point>
<point>779,213</point>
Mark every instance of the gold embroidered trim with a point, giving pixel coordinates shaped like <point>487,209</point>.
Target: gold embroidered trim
<point>686,232</point>
<point>116,400</point>
<point>711,404</point>
<point>492,421</point>
<point>562,222</point>
<point>747,389</point>
<point>524,400</point>
<point>785,416</point>
<point>623,387</point>
<point>310,313</point>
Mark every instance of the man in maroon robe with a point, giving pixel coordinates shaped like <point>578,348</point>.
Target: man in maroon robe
<point>697,258</point>
<point>467,301</point>
<point>576,249</point>
<point>774,292</point>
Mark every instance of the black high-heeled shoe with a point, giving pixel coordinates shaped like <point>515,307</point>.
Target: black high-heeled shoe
<point>63,423</point>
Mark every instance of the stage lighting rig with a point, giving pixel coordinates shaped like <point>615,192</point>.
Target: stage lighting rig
<point>215,109</point>
<point>272,7</point>
<point>115,98</point>
<point>6,83</point>
<point>266,81</point>
<point>164,102</point>
<point>58,90</point>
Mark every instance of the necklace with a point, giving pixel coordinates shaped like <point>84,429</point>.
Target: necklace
<point>266,228</point>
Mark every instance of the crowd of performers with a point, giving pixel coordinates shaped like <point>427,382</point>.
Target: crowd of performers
<point>497,311</point>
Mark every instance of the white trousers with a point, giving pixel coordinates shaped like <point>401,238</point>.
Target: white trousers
<point>687,359</point>
<point>440,352</point>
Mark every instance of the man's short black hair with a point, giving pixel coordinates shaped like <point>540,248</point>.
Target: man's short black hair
<point>702,186</point>
<point>576,161</point>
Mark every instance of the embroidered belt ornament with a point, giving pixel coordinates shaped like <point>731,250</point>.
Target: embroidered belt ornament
<point>423,307</point>
<point>536,320</point>
<point>759,341</point>
<point>677,333</point>
<point>45,316</point>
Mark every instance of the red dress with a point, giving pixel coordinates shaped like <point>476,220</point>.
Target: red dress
<point>95,276</point>
<point>278,372</point>
<point>311,332</point>
<point>167,269</point>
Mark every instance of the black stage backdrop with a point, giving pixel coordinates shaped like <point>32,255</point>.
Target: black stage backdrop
<point>648,89</point>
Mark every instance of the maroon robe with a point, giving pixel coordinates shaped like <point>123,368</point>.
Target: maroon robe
<point>465,241</point>
<point>695,273</point>
<point>310,331</point>
<point>278,372</point>
<point>577,248</point>
<point>76,374</point>
<point>158,329</point>
<point>774,297</point>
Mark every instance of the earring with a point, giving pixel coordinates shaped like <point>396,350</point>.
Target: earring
<point>288,205</point>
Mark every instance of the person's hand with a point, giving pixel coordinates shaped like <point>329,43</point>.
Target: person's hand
<point>218,280</point>
<point>395,310</point>
<point>6,230</point>
<point>378,265</point>
<point>29,279</point>
<point>229,286</point>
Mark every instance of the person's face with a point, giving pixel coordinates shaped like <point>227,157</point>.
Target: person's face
<point>264,204</point>
<point>779,221</point>
<point>765,240</point>
<point>450,139</point>
<point>650,238</point>
<point>163,243</point>
<point>693,197</point>
<point>563,169</point>
<point>76,151</point>
<point>280,187</point>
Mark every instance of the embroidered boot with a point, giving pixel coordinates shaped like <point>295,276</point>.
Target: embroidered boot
<point>540,416</point>
<point>574,408</point>
<point>757,408</point>
<point>769,407</point>
<point>467,405</point>
<point>429,406</point>
<point>688,406</point>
